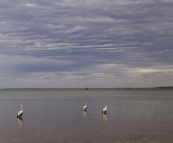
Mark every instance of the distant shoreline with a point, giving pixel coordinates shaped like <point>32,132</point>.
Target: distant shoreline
<point>146,87</point>
<point>162,87</point>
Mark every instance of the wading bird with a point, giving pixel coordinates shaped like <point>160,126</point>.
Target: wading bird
<point>104,111</point>
<point>85,107</point>
<point>20,113</point>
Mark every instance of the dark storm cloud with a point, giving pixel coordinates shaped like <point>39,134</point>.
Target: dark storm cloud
<point>129,33</point>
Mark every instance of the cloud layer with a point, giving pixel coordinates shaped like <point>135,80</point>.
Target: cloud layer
<point>74,43</point>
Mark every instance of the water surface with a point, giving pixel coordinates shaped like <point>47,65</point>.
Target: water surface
<point>55,115</point>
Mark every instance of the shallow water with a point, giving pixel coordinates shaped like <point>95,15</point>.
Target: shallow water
<point>55,115</point>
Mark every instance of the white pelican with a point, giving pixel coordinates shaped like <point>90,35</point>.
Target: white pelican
<point>20,113</point>
<point>85,107</point>
<point>105,110</point>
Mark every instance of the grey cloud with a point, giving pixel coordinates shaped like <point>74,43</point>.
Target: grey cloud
<point>135,34</point>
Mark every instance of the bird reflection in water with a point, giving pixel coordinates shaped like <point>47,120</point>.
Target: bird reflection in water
<point>20,122</point>
<point>105,116</point>
<point>84,113</point>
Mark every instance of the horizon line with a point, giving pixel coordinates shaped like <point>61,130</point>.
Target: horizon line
<point>152,87</point>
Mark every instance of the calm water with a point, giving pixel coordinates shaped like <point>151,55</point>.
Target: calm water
<point>55,115</point>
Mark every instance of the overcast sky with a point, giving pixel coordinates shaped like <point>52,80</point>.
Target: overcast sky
<point>86,43</point>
